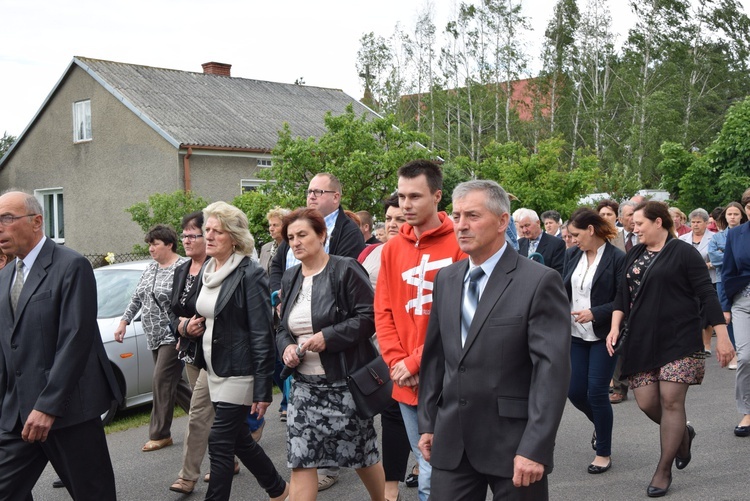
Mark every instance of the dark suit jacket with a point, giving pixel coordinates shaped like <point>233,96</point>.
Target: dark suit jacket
<point>604,287</point>
<point>735,271</point>
<point>51,355</point>
<point>504,392</point>
<point>551,248</point>
<point>346,240</point>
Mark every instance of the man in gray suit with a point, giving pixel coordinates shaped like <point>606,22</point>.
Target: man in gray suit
<point>55,379</point>
<point>494,379</point>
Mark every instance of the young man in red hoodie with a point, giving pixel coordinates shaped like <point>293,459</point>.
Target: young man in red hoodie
<point>403,296</point>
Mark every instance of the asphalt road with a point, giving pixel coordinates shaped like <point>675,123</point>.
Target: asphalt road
<point>719,469</point>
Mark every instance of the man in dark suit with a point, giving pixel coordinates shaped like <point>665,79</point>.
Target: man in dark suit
<point>494,379</point>
<point>534,240</point>
<point>55,379</point>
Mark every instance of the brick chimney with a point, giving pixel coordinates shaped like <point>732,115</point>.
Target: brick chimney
<point>214,68</point>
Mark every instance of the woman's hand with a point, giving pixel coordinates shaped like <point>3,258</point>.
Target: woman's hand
<point>196,327</point>
<point>583,316</point>
<point>728,317</point>
<point>290,357</point>
<point>315,344</point>
<point>120,331</point>
<point>611,341</point>
<point>259,408</point>
<point>724,349</point>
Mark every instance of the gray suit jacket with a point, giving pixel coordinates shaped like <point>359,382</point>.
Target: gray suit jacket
<point>504,392</point>
<point>51,353</point>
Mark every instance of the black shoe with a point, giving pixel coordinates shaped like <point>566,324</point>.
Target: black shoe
<point>658,492</point>
<point>593,441</point>
<point>681,463</point>
<point>412,480</point>
<point>595,470</point>
<point>742,431</point>
<point>58,483</point>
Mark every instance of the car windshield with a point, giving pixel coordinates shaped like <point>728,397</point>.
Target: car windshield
<point>114,288</point>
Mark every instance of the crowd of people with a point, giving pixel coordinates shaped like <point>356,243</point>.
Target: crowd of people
<point>460,311</point>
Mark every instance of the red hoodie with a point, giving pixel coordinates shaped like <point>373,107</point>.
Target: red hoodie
<point>403,297</point>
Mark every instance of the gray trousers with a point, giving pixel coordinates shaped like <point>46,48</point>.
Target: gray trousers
<point>168,388</point>
<point>741,321</point>
<point>200,419</point>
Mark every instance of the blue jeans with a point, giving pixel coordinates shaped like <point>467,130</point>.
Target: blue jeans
<point>591,371</point>
<point>409,413</point>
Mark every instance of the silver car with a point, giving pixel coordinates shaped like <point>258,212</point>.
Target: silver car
<point>131,360</point>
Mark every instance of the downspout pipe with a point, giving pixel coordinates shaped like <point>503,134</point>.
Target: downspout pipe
<point>186,168</point>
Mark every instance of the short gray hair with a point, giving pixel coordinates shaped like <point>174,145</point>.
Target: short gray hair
<point>628,203</point>
<point>234,222</point>
<point>701,213</point>
<point>497,199</point>
<point>524,213</point>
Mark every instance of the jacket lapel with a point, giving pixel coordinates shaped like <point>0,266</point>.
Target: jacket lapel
<point>34,278</point>
<point>603,262</point>
<point>496,285</point>
<point>454,296</point>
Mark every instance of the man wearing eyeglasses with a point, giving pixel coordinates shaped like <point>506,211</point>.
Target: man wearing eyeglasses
<point>55,379</point>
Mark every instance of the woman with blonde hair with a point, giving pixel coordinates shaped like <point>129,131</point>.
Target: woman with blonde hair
<point>236,349</point>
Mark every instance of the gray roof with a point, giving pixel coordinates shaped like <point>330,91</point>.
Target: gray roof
<point>198,109</point>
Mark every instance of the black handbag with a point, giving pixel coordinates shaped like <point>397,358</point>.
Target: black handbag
<point>622,340</point>
<point>371,387</point>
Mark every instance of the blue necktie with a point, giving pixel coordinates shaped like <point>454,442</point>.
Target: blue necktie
<point>469,303</point>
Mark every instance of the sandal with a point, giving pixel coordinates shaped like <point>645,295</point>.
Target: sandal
<point>183,486</point>
<point>155,445</point>
<point>207,478</point>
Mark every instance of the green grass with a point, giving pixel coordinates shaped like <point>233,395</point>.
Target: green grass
<point>135,417</point>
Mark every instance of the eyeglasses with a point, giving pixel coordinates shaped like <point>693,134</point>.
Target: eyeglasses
<point>8,219</point>
<point>318,193</point>
<point>192,238</point>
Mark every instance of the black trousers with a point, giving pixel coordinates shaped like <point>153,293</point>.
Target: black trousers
<point>396,447</point>
<point>467,484</point>
<point>79,454</point>
<point>230,436</point>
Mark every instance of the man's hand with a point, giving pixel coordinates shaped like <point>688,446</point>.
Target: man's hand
<point>400,374</point>
<point>425,445</point>
<point>526,471</point>
<point>37,426</point>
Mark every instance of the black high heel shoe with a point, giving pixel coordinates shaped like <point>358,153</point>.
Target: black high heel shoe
<point>658,492</point>
<point>681,463</point>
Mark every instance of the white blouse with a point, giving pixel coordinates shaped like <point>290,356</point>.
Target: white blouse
<point>580,285</point>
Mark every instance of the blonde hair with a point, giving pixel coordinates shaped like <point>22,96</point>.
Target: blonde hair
<point>234,222</point>
<point>277,212</point>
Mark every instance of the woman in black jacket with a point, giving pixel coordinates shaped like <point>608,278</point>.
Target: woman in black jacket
<point>591,274</point>
<point>236,349</point>
<point>323,338</point>
<point>663,292</point>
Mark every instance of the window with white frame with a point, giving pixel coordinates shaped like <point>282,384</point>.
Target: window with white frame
<point>265,163</point>
<point>51,200</point>
<point>248,185</point>
<point>82,121</point>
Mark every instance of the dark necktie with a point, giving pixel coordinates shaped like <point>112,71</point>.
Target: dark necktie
<point>629,242</point>
<point>469,304</point>
<point>15,291</point>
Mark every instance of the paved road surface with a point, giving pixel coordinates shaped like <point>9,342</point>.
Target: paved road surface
<point>719,470</point>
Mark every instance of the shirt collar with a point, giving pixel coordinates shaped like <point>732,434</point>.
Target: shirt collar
<point>30,258</point>
<point>330,220</point>
<point>489,265</point>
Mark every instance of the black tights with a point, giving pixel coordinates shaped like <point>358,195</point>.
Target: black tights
<point>664,403</point>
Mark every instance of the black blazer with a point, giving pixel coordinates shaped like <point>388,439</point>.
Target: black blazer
<point>604,287</point>
<point>346,240</point>
<point>178,284</point>
<point>666,320</point>
<point>53,344</point>
<point>551,248</point>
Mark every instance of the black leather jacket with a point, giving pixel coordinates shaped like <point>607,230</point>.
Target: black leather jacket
<point>342,310</point>
<point>242,342</point>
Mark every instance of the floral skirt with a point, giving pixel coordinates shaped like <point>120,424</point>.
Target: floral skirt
<point>688,370</point>
<point>324,429</point>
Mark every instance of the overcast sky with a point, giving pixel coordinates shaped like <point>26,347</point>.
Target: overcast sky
<point>278,40</point>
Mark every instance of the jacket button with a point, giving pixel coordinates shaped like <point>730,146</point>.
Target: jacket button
<point>13,346</point>
<point>18,373</point>
<point>462,369</point>
<point>462,402</point>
